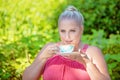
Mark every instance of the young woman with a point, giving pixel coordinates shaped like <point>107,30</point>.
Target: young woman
<point>84,63</point>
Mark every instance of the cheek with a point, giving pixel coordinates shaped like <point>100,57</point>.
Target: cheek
<point>62,37</point>
<point>76,38</point>
<point>75,35</point>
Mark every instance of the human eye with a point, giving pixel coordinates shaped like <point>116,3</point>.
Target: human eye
<point>62,31</point>
<point>73,30</point>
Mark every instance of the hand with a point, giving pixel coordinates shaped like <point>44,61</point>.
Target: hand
<point>49,50</point>
<point>80,57</point>
<point>34,71</point>
<point>74,56</point>
<point>87,59</point>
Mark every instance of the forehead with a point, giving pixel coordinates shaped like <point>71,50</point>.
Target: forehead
<point>68,23</point>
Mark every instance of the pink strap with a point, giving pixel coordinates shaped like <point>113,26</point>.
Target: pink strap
<point>84,49</point>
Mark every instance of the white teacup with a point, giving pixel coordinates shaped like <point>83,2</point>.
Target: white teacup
<point>66,48</point>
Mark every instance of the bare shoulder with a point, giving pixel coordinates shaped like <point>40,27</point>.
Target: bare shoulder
<point>95,53</point>
<point>98,59</point>
<point>93,50</point>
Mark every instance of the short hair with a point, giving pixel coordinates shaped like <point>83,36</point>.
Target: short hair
<point>72,13</point>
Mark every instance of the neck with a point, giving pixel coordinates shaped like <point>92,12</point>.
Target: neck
<point>78,46</point>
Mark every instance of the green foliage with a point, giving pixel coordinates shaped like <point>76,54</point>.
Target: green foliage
<point>113,61</point>
<point>26,26</point>
<point>110,48</point>
<point>99,14</point>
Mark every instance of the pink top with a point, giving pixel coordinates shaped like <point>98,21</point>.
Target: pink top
<point>61,68</point>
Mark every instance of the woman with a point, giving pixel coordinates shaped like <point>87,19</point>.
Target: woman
<point>84,63</point>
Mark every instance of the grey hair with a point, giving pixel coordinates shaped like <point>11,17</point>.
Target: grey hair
<point>72,13</point>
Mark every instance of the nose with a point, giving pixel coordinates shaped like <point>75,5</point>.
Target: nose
<point>67,38</point>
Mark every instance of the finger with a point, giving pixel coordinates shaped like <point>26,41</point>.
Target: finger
<point>55,46</point>
<point>84,56</point>
<point>69,54</point>
<point>55,49</point>
<point>51,51</point>
<point>74,52</point>
<point>52,48</point>
<point>64,54</point>
<point>86,59</point>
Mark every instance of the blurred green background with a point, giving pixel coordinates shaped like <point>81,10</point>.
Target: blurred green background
<point>27,25</point>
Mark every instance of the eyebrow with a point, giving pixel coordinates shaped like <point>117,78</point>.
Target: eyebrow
<point>73,28</point>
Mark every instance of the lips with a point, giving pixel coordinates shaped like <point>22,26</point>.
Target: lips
<point>68,42</point>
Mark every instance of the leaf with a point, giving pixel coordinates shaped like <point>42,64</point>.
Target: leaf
<point>112,65</point>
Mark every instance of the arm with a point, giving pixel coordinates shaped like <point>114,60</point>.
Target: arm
<point>34,71</point>
<point>98,70</point>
